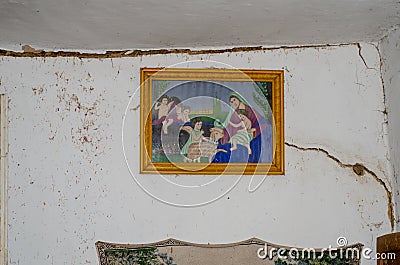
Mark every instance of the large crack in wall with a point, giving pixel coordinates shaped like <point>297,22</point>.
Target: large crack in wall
<point>362,57</point>
<point>31,52</point>
<point>385,113</point>
<point>391,213</point>
<point>359,169</point>
<point>386,48</point>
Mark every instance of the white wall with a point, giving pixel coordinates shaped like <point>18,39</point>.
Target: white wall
<point>390,52</point>
<point>69,184</point>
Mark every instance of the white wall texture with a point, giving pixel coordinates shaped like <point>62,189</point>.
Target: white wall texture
<point>390,52</point>
<point>69,184</point>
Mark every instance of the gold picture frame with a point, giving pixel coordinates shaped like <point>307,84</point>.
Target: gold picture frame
<point>193,103</point>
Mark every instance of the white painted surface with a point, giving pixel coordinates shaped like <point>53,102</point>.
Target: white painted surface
<point>390,50</point>
<point>69,185</point>
<point>3,179</point>
<point>148,24</point>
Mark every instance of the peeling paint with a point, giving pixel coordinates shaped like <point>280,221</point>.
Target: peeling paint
<point>38,91</point>
<point>358,169</point>
<point>87,135</point>
<point>27,48</point>
<point>135,108</point>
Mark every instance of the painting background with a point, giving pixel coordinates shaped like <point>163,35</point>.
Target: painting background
<point>258,95</point>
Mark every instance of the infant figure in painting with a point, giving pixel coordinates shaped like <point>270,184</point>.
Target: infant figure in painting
<point>245,134</point>
<point>163,108</point>
<point>183,115</point>
<point>197,145</point>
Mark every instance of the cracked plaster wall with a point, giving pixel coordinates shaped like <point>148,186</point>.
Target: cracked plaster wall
<point>69,185</point>
<point>390,50</point>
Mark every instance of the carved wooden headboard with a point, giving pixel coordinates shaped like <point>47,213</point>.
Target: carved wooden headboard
<point>176,252</point>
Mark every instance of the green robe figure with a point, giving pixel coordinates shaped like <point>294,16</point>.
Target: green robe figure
<point>195,135</point>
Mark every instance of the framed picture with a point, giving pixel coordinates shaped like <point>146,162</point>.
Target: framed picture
<point>211,121</point>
